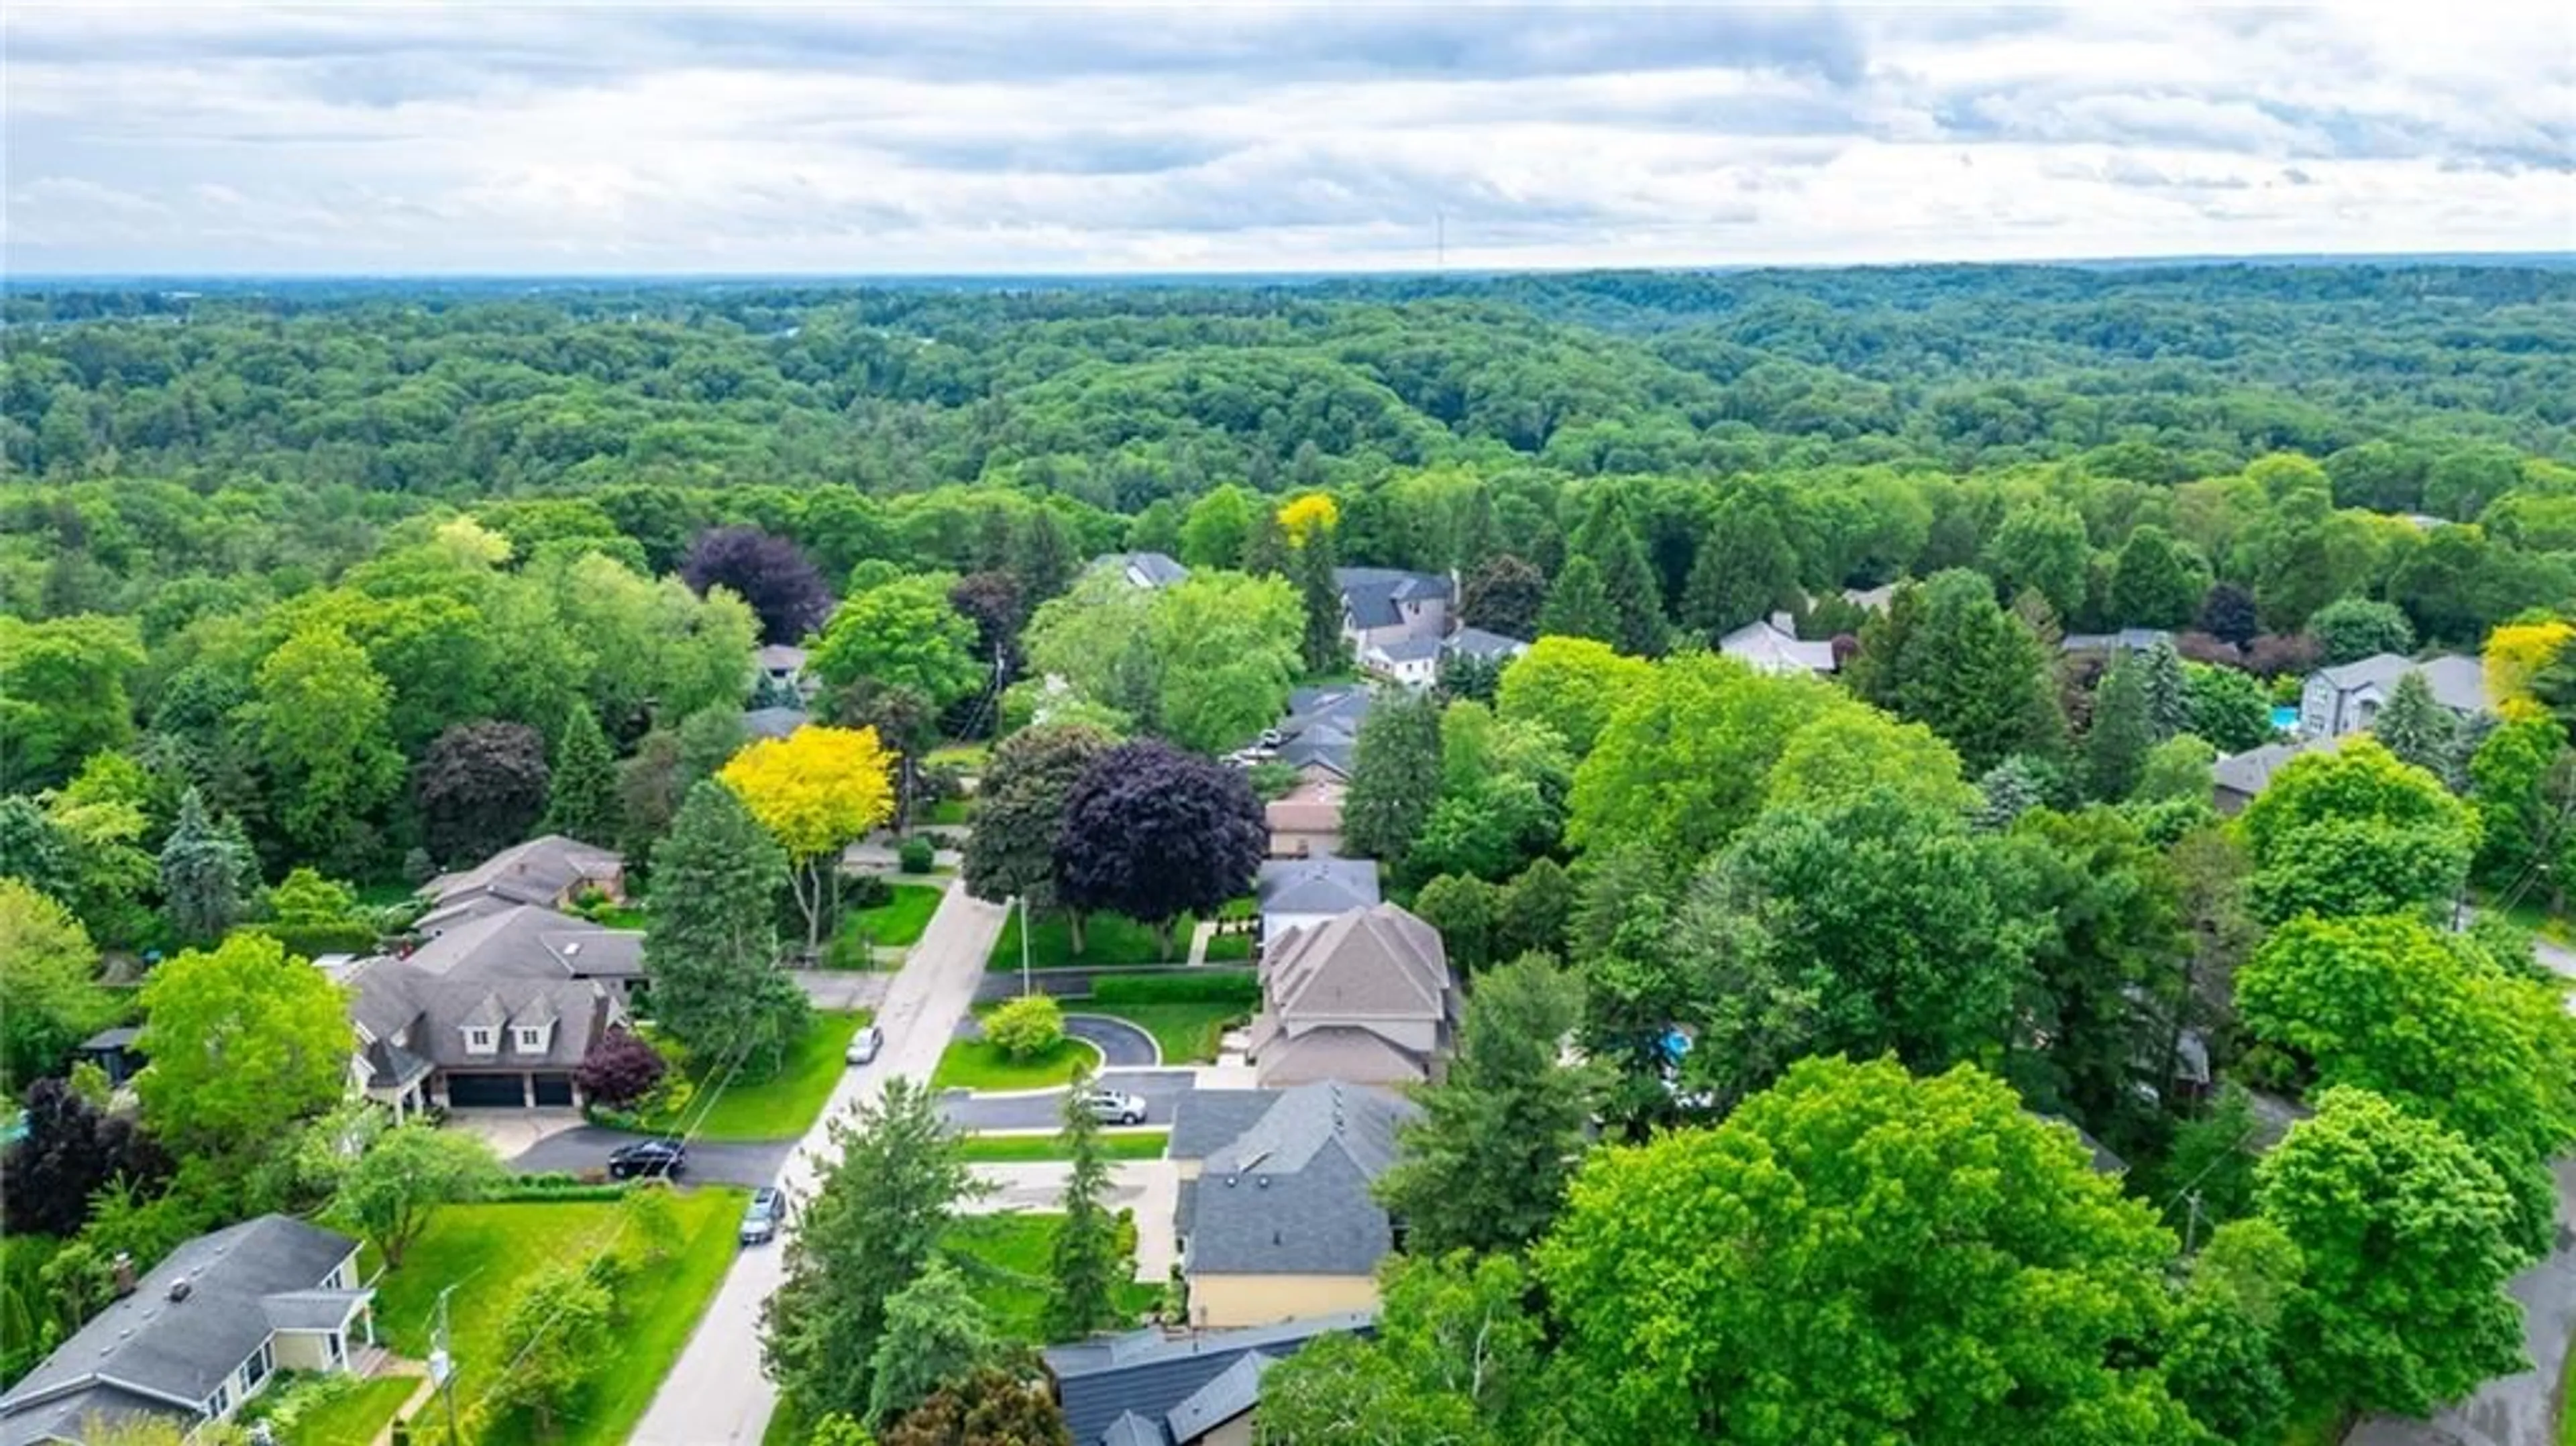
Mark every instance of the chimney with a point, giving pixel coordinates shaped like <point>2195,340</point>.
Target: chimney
<point>123,1265</point>
<point>179,1290</point>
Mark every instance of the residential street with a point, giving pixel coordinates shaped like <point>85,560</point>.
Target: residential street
<point>716,1393</point>
<point>1044,1109</point>
<point>2513,1410</point>
<point>711,1162</point>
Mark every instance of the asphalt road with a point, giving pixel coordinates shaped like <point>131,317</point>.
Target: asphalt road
<point>1162,1088</point>
<point>711,1162</point>
<point>1121,1045</point>
<point>715,1394</point>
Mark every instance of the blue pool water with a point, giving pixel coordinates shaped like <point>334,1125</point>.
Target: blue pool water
<point>2285,718</point>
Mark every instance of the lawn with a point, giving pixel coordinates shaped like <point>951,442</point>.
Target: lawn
<point>1229,949</point>
<point>1187,1032</point>
<point>1006,1260</point>
<point>619,916</point>
<point>1113,939</point>
<point>486,1250</point>
<point>981,1065</point>
<point>786,1104</point>
<point>1021,1149</point>
<point>950,812</point>
<point>897,921</point>
<point>966,757</point>
<point>353,1417</point>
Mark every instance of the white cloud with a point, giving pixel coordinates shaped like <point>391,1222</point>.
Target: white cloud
<point>568,138</point>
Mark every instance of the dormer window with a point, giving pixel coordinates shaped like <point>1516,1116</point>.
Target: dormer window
<point>531,1038</point>
<point>478,1039</point>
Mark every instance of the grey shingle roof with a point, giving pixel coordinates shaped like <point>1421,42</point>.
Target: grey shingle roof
<point>1373,593</point>
<point>772,722</point>
<point>1478,643</point>
<point>1407,650</point>
<point>1323,727</point>
<point>390,1066</point>
<point>2382,668</point>
<point>1322,884</point>
<point>1147,1373</point>
<point>1131,1429</point>
<point>311,1310</point>
<point>427,1013</point>
<point>66,1417</point>
<point>1379,962</point>
<point>529,941</point>
<point>1153,569</point>
<point>535,872</point>
<point>2250,772</point>
<point>1290,1195</point>
<point>151,1346</point>
<point>2457,683</point>
<point>2126,640</point>
<point>1205,1121</point>
<point>1235,1390</point>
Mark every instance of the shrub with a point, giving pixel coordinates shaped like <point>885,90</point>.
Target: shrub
<point>918,855</point>
<point>866,891</point>
<point>621,1071</point>
<point>1026,1027</point>
<point>312,940</point>
<point>1195,986</point>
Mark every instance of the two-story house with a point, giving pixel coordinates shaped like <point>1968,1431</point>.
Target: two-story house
<point>1385,605</point>
<point>551,870</point>
<point>2346,698</point>
<point>1365,996</point>
<point>201,1333</point>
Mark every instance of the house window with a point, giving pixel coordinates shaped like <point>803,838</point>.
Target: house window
<point>478,1041</point>
<point>257,1370</point>
<point>220,1402</point>
<point>532,1040</point>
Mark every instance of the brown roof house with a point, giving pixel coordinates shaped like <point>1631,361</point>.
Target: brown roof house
<point>550,870</point>
<point>1366,997</point>
<point>497,1012</point>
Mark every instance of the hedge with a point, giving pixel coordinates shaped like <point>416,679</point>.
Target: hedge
<point>347,936</point>
<point>556,1186</point>
<point>1182,986</point>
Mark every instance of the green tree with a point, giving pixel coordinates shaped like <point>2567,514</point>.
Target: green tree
<point>1218,527</point>
<point>1505,595</point>
<point>1746,567</point>
<point>1044,563</point>
<point>1461,907</point>
<point>1086,1263</point>
<point>2406,1239</point>
<point>1342,1391</point>
<point>1019,811</point>
<point>1861,1249</point>
<point>50,997</point>
<point>1227,650</point>
<point>62,694</point>
<point>2042,546</point>
<point>2155,581</point>
<point>1572,685</point>
<point>581,792</point>
<point>935,1332</point>
<point>393,1190</point>
<point>1265,546</point>
<point>1532,915</point>
<point>874,1225</point>
<point>711,942</point>
<point>1851,752</point>
<point>2416,729</point>
<point>1395,777</point>
<point>2115,747</point>
<point>1944,655</point>
<point>2178,768</point>
<point>2356,832</point>
<point>2223,1354</point>
<point>555,1334</point>
<point>1320,643</point>
<point>204,870</point>
<point>244,1040</point>
<point>902,634</point>
<point>321,713</point>
<point>991,1406</point>
<point>1455,1363</point>
<point>1627,579</point>
<point>2523,781</point>
<point>2228,708</point>
<point>2168,688</point>
<point>1683,763</point>
<point>2350,629</point>
<point>1485,1166</point>
<point>1579,606</point>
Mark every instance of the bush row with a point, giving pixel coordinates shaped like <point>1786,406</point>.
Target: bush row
<point>1191,986</point>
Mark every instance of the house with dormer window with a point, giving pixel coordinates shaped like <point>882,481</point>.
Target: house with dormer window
<point>496,1013</point>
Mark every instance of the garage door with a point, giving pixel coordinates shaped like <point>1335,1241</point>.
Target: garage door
<point>466,1091</point>
<point>554,1089</point>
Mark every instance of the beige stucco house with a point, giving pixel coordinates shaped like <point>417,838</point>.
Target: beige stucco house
<point>1365,997</point>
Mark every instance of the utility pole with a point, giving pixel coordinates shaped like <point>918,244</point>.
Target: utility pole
<point>2191,1228</point>
<point>1027,986</point>
<point>442,1367</point>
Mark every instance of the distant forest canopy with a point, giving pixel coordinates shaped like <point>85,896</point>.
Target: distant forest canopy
<point>1891,421</point>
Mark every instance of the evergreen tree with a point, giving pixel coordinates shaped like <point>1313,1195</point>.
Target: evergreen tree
<point>711,944</point>
<point>2168,690</point>
<point>1480,536</point>
<point>2419,730</point>
<point>1578,606</point>
<point>1395,778</point>
<point>2155,582</point>
<point>1088,1264</point>
<point>204,869</point>
<point>1265,544</point>
<point>1324,648</point>
<point>935,1332</point>
<point>581,797</point>
<point>2010,789</point>
<point>1503,595</point>
<point>2115,749</point>
<point>1745,568</point>
<point>1045,564</point>
<point>1627,578</point>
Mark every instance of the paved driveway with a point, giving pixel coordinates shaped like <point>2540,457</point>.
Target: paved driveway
<point>711,1162</point>
<point>1162,1089</point>
<point>1121,1045</point>
<point>2513,1410</point>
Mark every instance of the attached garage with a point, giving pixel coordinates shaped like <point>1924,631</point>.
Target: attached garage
<point>486,1091</point>
<point>554,1089</point>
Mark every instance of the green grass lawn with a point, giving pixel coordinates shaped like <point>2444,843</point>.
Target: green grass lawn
<point>981,1065</point>
<point>1111,939</point>
<point>897,921</point>
<point>353,1417</point>
<point>950,812</point>
<point>1006,1260</point>
<point>1229,948</point>
<point>967,756</point>
<point>1020,1149</point>
<point>2567,1402</point>
<point>620,916</point>
<point>485,1250</point>
<point>1187,1033</point>
<point>786,1104</point>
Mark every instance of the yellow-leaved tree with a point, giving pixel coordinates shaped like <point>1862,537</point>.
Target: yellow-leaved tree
<point>2515,653</point>
<point>817,791</point>
<point>1307,515</point>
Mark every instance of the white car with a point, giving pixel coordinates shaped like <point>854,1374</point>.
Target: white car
<point>865,1044</point>
<point>1112,1108</point>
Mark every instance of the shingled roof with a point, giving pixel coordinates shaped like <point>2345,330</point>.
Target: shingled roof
<point>1125,1390</point>
<point>1290,1195</point>
<point>1374,595</point>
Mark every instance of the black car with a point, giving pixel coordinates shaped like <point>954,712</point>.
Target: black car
<point>651,1159</point>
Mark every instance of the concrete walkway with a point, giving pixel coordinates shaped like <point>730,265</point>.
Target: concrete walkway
<point>2520,1409</point>
<point>1150,1188</point>
<point>716,1394</point>
<point>1200,934</point>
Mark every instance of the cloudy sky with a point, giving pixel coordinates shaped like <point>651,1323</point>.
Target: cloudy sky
<point>845,139</point>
